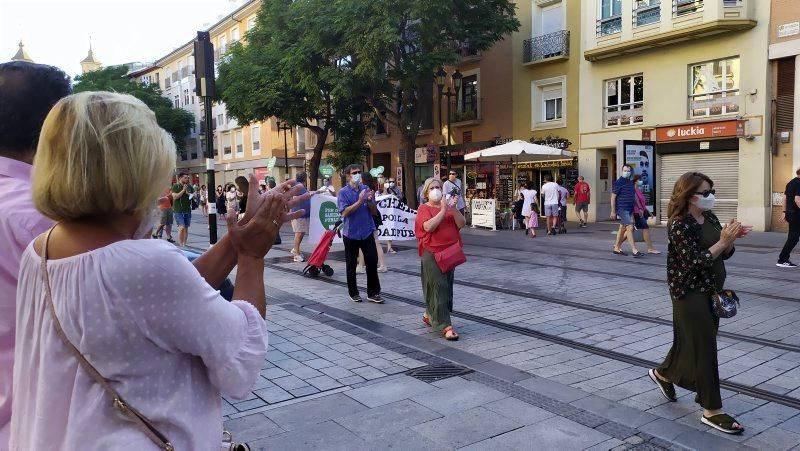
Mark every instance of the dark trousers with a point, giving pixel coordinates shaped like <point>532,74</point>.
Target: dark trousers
<point>794,236</point>
<point>367,247</point>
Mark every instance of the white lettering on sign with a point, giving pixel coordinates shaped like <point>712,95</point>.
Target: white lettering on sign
<point>788,29</point>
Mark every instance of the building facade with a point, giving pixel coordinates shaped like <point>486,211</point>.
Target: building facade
<point>546,63</point>
<point>684,82</point>
<point>784,65</point>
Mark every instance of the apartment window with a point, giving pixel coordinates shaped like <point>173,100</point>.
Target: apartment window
<point>185,96</point>
<point>202,146</point>
<point>193,146</point>
<point>551,20</point>
<point>255,137</point>
<point>234,35</point>
<point>714,88</point>
<point>239,143</point>
<point>177,101</point>
<point>683,7</point>
<point>731,3</point>
<point>468,99</point>
<point>158,81</point>
<point>624,101</point>
<point>646,12</point>
<point>226,144</point>
<point>552,103</point>
<point>251,23</point>
<point>184,155</point>
<point>167,83</point>
<point>380,126</point>
<point>221,120</point>
<point>222,45</point>
<point>609,19</point>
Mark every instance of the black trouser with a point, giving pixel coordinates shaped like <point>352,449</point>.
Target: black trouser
<point>367,246</point>
<point>794,236</point>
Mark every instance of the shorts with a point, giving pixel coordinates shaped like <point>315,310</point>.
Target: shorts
<point>183,219</point>
<point>551,210</point>
<point>625,217</point>
<point>300,225</point>
<point>166,218</point>
<point>640,222</point>
<point>583,206</point>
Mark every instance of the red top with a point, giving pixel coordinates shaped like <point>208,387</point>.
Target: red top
<point>440,239</point>
<point>581,193</point>
<point>165,201</point>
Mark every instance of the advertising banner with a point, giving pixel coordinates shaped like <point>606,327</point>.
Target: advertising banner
<point>483,213</point>
<point>640,156</point>
<point>398,218</point>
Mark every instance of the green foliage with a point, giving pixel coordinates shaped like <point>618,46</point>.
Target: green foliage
<point>176,121</point>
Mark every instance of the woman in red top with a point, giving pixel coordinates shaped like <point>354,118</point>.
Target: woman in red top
<point>437,228</point>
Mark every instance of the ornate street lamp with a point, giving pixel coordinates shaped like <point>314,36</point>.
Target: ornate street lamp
<point>283,125</point>
<point>441,78</point>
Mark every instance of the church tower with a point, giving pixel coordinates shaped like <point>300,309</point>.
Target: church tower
<point>21,54</point>
<point>89,63</point>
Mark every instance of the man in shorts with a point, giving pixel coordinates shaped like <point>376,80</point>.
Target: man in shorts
<point>582,198</point>
<point>165,205</point>
<point>550,192</point>
<point>182,206</point>
<point>300,225</point>
<point>623,199</point>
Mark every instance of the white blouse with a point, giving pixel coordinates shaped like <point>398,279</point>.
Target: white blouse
<point>140,312</point>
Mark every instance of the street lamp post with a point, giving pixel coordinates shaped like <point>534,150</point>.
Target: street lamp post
<point>441,77</point>
<point>285,127</point>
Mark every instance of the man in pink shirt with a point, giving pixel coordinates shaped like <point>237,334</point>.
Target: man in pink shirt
<point>27,92</point>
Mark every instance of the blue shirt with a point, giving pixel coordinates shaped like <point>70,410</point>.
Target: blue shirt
<point>305,205</point>
<point>359,224</point>
<point>626,197</point>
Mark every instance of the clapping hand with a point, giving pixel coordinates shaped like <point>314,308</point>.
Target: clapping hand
<point>743,229</point>
<point>288,190</point>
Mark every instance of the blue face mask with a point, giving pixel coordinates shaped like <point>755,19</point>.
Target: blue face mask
<point>356,178</point>
<point>640,183</point>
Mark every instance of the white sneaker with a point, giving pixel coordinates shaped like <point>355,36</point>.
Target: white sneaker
<point>299,258</point>
<point>361,270</point>
<point>382,269</point>
<point>292,251</point>
<point>786,264</point>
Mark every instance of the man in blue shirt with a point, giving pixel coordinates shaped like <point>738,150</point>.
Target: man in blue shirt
<point>623,197</point>
<point>357,206</point>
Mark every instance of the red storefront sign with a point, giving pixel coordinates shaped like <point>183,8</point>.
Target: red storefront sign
<point>261,173</point>
<point>706,130</point>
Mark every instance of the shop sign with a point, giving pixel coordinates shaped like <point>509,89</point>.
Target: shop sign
<point>788,29</point>
<point>563,163</point>
<point>399,177</point>
<point>482,212</point>
<point>421,155</point>
<point>501,141</point>
<point>639,155</point>
<point>261,174</point>
<point>437,171</point>
<point>553,141</point>
<point>721,129</point>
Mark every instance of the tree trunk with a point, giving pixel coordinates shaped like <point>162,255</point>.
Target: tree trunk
<point>316,159</point>
<point>407,143</point>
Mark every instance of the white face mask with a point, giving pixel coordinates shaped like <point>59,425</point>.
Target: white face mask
<point>391,185</point>
<point>704,203</point>
<point>435,194</point>
<point>626,174</point>
<point>356,178</point>
<point>145,228</point>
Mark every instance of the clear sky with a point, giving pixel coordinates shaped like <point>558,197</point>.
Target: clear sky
<point>57,31</point>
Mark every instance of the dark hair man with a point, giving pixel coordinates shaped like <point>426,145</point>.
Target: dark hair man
<point>623,198</point>
<point>791,203</point>
<point>182,206</point>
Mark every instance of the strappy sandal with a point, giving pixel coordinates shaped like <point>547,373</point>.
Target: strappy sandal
<point>426,320</point>
<point>723,422</point>
<point>449,333</point>
<point>666,388</point>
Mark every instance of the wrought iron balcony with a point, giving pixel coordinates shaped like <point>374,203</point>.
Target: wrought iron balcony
<point>609,25</point>
<point>681,7</point>
<point>646,13</point>
<point>545,47</point>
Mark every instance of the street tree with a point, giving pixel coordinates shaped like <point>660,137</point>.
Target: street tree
<point>176,121</point>
<point>396,46</point>
<point>291,67</point>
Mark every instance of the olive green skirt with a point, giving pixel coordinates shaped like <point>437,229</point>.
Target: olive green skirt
<point>437,287</point>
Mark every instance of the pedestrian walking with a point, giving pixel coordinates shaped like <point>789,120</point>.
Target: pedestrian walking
<point>155,346</point>
<point>182,207</point>
<point>357,206</point>
<point>623,199</point>
<point>221,208</point>
<point>231,200</point>
<point>165,220</point>
<point>204,200</point>
<point>698,247</point>
<point>369,181</point>
<point>27,92</point>
<point>453,186</point>
<point>791,215</point>
<point>242,188</point>
<point>582,199</point>
<point>641,214</point>
<point>300,225</point>
<point>530,209</point>
<point>551,203</point>
<point>563,200</point>
<point>438,228</point>
<point>516,211</point>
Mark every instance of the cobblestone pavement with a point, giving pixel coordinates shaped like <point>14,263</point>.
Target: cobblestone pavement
<point>557,333</point>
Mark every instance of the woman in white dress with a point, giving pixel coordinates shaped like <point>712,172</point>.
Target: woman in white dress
<point>529,210</point>
<point>163,341</point>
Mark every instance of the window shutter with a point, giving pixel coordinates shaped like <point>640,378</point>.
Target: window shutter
<point>784,104</point>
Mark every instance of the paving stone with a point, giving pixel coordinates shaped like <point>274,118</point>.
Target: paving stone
<point>273,394</point>
<point>466,427</point>
<point>390,391</point>
<point>305,372</point>
<point>327,435</point>
<point>519,411</point>
<point>614,411</point>
<point>387,418</point>
<point>274,373</point>
<point>319,363</point>
<point>462,397</point>
<point>251,427</point>
<point>403,440</point>
<point>294,416</point>
<point>303,391</point>
<point>774,439</point>
<point>553,389</point>
<point>249,405</point>
<point>369,372</point>
<point>289,382</point>
<point>554,433</point>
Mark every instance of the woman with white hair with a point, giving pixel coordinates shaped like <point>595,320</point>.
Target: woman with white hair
<point>121,342</point>
<point>437,229</point>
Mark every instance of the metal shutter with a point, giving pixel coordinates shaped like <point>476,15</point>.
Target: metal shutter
<point>721,167</point>
<point>784,101</point>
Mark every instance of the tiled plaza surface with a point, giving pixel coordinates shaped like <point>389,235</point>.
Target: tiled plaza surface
<point>336,373</point>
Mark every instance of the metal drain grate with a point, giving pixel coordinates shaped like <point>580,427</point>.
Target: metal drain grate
<point>433,373</point>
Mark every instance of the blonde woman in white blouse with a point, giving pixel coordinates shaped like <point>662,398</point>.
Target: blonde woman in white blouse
<point>136,309</point>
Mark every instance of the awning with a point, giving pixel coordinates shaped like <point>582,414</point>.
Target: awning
<point>519,150</point>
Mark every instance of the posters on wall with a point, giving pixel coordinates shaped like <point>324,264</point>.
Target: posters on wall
<point>640,155</point>
<point>398,218</point>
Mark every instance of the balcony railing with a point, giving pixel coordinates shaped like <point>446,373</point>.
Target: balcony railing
<point>682,7</point>
<point>609,25</point>
<point>546,46</point>
<point>645,14</point>
<point>465,50</point>
<point>472,111</point>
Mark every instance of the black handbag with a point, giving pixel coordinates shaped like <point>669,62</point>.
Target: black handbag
<point>725,303</point>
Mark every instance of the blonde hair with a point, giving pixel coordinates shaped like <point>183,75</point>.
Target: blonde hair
<point>427,186</point>
<point>100,153</point>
